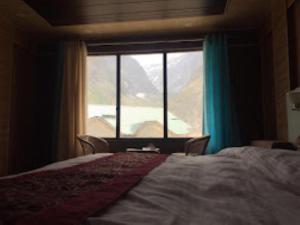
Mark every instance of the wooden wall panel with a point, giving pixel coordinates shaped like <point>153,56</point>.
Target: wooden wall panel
<point>10,37</point>
<point>276,78</point>
<point>268,99</point>
<point>22,117</point>
<point>280,64</point>
<point>245,73</point>
<point>294,43</point>
<point>6,70</point>
<point>297,37</point>
<point>89,12</point>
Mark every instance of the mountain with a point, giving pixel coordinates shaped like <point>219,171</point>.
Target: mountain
<point>134,78</point>
<point>180,72</point>
<point>102,80</point>
<point>188,104</point>
<point>140,86</point>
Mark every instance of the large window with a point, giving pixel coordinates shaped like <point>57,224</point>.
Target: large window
<point>101,96</point>
<point>142,100</point>
<point>185,94</point>
<point>145,95</point>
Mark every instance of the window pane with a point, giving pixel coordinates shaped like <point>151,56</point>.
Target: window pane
<point>185,94</point>
<point>142,95</point>
<point>101,96</point>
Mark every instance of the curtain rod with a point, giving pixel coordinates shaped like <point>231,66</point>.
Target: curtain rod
<point>94,44</point>
<point>170,38</point>
<point>99,43</point>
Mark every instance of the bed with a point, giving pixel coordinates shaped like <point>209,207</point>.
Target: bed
<point>246,185</point>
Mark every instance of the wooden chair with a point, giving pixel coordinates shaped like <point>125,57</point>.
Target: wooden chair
<point>93,144</point>
<point>196,146</point>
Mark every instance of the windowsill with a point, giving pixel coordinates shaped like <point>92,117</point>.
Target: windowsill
<point>131,138</point>
<point>166,145</point>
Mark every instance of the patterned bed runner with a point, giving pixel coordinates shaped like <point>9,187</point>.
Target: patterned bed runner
<point>68,196</point>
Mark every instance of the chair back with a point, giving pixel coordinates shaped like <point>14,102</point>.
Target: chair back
<point>93,144</point>
<point>196,146</point>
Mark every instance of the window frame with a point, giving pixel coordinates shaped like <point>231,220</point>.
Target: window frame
<point>136,51</point>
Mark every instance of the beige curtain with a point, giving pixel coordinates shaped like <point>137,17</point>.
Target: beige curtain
<point>73,103</point>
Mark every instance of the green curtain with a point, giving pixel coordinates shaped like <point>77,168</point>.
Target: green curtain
<point>219,110</point>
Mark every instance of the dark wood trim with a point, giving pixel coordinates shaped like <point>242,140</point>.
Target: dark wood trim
<point>292,39</point>
<point>144,44</point>
<point>164,42</point>
<point>147,38</point>
<point>136,48</point>
<point>118,100</point>
<point>93,3</point>
<point>242,36</point>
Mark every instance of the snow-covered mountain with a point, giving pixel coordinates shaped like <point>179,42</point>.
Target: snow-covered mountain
<point>138,81</point>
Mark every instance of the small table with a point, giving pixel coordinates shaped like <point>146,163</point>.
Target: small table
<point>140,150</point>
<point>183,154</point>
<point>179,154</point>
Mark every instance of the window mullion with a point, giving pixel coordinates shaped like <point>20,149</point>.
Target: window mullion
<point>118,108</point>
<point>165,95</point>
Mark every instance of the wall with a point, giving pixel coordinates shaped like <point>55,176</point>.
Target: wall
<point>6,71</point>
<point>48,81</point>
<point>245,72</point>
<point>268,93</point>
<point>280,64</point>
<point>294,43</point>
<point>17,75</point>
<point>22,116</point>
<point>297,37</point>
<point>294,53</point>
<point>278,76</point>
<point>278,73</point>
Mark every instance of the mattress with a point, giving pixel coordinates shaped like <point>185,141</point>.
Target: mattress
<point>236,186</point>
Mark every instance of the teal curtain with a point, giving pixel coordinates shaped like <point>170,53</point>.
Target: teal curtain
<point>219,110</point>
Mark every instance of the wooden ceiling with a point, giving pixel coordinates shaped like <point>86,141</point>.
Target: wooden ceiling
<point>238,15</point>
<point>74,12</point>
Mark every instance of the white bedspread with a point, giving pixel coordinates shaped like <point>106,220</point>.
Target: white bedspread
<point>64,164</point>
<point>237,186</point>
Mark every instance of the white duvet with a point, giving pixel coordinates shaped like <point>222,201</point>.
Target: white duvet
<point>237,186</point>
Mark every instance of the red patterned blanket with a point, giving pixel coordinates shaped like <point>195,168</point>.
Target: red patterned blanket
<point>68,196</point>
